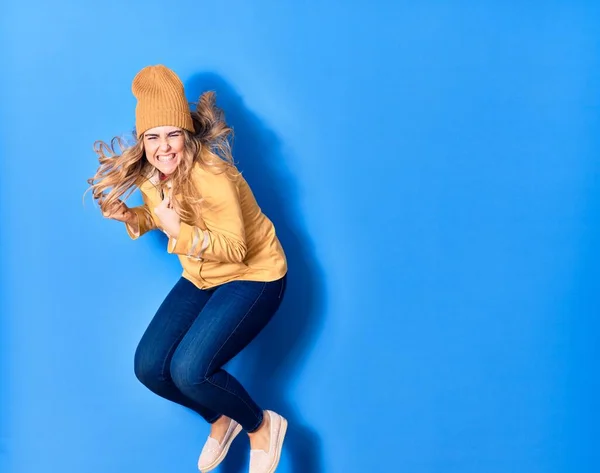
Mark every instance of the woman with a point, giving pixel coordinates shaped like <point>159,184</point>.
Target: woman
<point>234,268</point>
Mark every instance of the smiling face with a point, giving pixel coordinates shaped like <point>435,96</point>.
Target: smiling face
<point>164,147</point>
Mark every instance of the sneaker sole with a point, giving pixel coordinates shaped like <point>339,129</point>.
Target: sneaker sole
<point>223,453</point>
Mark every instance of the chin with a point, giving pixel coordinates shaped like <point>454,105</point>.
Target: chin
<point>167,170</point>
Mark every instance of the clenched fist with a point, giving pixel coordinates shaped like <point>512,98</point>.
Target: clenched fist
<point>169,219</point>
<point>119,211</point>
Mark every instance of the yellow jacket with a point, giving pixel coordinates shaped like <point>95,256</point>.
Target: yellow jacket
<point>232,240</point>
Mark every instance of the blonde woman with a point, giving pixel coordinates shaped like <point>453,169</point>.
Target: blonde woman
<point>234,268</point>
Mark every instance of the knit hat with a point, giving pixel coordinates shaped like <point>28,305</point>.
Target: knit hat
<point>160,100</point>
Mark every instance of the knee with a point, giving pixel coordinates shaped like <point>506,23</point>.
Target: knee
<point>188,375</point>
<point>148,370</point>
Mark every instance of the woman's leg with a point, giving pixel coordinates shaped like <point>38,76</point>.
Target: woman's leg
<point>230,320</point>
<point>153,356</point>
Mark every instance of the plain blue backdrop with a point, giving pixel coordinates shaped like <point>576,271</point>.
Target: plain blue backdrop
<point>432,170</point>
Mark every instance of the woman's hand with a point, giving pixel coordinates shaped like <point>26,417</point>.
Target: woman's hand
<point>169,219</point>
<point>119,211</point>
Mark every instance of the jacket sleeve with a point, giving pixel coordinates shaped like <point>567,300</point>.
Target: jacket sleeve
<point>145,222</point>
<point>224,238</point>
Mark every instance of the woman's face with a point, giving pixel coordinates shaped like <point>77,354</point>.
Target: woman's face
<point>164,148</point>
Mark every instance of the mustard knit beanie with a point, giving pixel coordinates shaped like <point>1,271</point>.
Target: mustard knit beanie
<point>160,100</point>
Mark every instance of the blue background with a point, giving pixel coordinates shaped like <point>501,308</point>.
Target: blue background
<point>432,169</point>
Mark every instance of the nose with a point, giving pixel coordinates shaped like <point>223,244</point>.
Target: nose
<point>164,144</point>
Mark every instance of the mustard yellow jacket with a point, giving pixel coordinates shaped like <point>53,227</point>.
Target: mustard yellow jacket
<point>231,240</point>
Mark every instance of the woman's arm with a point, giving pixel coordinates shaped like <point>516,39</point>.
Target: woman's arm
<point>224,239</point>
<point>141,221</point>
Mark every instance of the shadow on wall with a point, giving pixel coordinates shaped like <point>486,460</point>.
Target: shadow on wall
<point>273,360</point>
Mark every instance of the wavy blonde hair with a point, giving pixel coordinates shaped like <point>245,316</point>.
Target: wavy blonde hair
<point>124,168</point>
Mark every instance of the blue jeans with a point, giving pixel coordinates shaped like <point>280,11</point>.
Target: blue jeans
<point>194,333</point>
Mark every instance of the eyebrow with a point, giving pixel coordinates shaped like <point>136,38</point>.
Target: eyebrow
<point>155,135</point>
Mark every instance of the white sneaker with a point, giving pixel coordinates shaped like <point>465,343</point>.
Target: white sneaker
<point>213,452</point>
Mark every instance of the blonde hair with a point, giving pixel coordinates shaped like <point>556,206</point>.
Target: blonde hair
<point>124,168</point>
